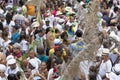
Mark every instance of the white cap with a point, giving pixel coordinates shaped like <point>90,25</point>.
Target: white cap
<point>34,63</point>
<point>11,61</point>
<point>57,41</point>
<point>68,9</point>
<point>10,57</point>
<point>105,51</point>
<point>2,67</point>
<point>35,24</point>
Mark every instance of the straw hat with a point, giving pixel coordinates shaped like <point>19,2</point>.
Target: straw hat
<point>105,51</point>
<point>35,24</point>
<point>116,51</point>
<point>68,9</point>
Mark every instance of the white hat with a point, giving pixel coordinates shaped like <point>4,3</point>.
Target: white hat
<point>35,24</point>
<point>68,9</point>
<point>11,61</point>
<point>105,51</point>
<point>2,67</point>
<point>10,57</point>
<point>17,45</point>
<point>116,51</point>
<point>34,63</point>
<point>114,36</point>
<point>57,41</point>
<point>59,13</point>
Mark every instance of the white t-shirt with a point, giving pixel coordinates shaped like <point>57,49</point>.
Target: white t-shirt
<point>105,67</point>
<point>24,45</point>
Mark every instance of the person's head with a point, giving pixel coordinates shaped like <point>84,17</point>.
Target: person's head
<point>48,29</point>
<point>64,35</point>
<point>43,65</point>
<point>116,9</point>
<point>105,54</point>
<point>12,77</point>
<point>12,63</point>
<point>41,33</point>
<point>33,64</point>
<point>71,19</point>
<point>57,42</point>
<point>2,70</point>
<point>6,29</point>
<point>79,33</point>
<point>40,50</point>
<point>104,23</point>
<point>31,54</point>
<point>15,27</point>
<point>5,35</point>
<point>47,22</point>
<point>16,48</point>
<point>58,51</point>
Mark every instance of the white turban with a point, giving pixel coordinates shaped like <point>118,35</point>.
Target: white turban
<point>2,67</point>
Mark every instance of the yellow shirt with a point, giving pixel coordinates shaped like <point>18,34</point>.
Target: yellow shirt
<point>51,52</point>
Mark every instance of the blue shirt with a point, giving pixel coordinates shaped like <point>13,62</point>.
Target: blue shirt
<point>15,37</point>
<point>43,58</point>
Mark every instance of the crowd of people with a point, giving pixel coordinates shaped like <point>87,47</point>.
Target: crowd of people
<point>38,41</point>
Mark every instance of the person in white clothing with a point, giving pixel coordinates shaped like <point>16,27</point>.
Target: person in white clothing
<point>2,72</point>
<point>12,67</point>
<point>105,66</point>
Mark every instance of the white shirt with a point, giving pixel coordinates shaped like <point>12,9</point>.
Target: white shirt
<point>24,45</point>
<point>105,67</point>
<point>10,71</point>
<point>49,74</point>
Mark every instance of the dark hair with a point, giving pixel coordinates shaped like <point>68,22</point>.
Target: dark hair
<point>48,29</point>
<point>1,26</point>
<point>12,77</point>
<point>118,27</point>
<point>4,34</point>
<point>116,9</point>
<point>79,33</point>
<point>63,35</point>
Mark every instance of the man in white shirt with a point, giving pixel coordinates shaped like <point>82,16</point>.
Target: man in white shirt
<point>12,67</point>
<point>105,66</point>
